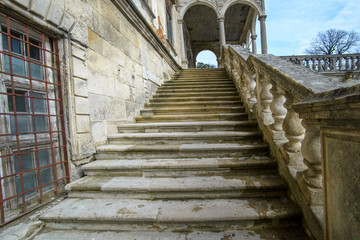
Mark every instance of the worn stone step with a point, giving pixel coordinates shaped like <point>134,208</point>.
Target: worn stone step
<point>197,99</point>
<point>185,137</point>
<point>167,94</point>
<point>205,187</point>
<point>203,104</point>
<point>181,167</point>
<point>137,215</point>
<point>188,126</point>
<point>293,233</point>
<point>189,110</point>
<point>194,117</point>
<point>198,83</point>
<point>182,150</point>
<point>198,89</point>
<point>223,91</point>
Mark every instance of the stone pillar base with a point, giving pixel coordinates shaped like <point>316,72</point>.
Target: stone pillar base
<point>313,196</point>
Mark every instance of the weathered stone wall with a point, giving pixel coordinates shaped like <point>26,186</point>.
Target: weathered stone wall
<point>111,58</point>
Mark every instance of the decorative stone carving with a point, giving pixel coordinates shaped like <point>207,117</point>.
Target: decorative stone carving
<point>266,99</point>
<point>278,110</point>
<point>294,131</point>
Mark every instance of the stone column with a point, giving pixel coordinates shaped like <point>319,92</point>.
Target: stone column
<point>264,47</point>
<point>222,38</point>
<point>254,46</point>
<point>184,61</point>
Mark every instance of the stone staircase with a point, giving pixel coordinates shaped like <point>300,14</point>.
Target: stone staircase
<point>192,167</point>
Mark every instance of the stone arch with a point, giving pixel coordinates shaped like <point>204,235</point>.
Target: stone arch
<point>196,53</point>
<point>228,4</point>
<point>198,2</point>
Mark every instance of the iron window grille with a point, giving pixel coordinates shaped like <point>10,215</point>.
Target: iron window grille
<point>33,156</point>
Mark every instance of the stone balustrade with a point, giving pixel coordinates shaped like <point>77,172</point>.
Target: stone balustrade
<point>328,63</point>
<point>270,87</point>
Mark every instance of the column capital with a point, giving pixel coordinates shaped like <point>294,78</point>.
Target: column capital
<point>254,37</point>
<point>262,17</point>
<point>180,21</point>
<point>221,19</point>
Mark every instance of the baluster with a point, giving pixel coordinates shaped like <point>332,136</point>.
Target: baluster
<point>252,84</point>
<point>266,99</point>
<point>307,62</point>
<point>292,127</point>
<point>352,63</point>
<point>332,64</point>
<point>325,64</point>
<point>278,112</point>
<point>346,63</point>
<point>340,63</point>
<point>245,89</point>
<point>319,64</point>
<point>358,63</point>
<point>313,65</point>
<point>310,180</point>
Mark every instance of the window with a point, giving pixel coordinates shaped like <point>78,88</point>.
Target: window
<point>20,52</point>
<point>169,21</point>
<point>31,112</point>
<point>33,160</point>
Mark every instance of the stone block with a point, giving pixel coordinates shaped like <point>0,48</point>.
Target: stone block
<point>56,11</point>
<point>100,64</point>
<point>23,3</point>
<point>82,105</point>
<point>79,33</point>
<point>79,69</point>
<point>67,22</point>
<point>99,132</point>
<point>84,145</point>
<point>94,41</point>
<point>113,53</point>
<point>40,7</point>
<point>104,108</point>
<point>78,51</point>
<point>83,124</point>
<point>80,87</point>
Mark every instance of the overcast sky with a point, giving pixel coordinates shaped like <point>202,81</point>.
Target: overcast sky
<point>292,24</point>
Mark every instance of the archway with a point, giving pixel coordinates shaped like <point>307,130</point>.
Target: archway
<point>201,31</point>
<point>207,58</point>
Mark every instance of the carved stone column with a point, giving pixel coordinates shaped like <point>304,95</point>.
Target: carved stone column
<point>184,61</point>
<point>292,127</point>
<point>264,47</point>
<point>254,45</point>
<point>222,37</point>
<point>278,112</point>
<point>310,180</point>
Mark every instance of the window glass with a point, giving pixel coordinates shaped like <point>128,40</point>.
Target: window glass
<point>34,51</point>
<point>44,157</point>
<point>20,101</point>
<point>27,162</point>
<point>29,180</point>
<point>39,104</point>
<point>46,176</point>
<point>36,71</point>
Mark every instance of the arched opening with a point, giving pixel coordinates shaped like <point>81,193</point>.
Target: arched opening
<point>201,31</point>
<point>206,59</point>
<point>239,21</point>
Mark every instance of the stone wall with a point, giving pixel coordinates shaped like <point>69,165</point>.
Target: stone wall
<point>111,58</point>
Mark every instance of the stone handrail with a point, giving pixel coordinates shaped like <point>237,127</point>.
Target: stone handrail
<point>269,87</point>
<point>328,63</point>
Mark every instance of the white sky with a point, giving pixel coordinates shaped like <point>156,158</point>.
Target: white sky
<point>292,24</point>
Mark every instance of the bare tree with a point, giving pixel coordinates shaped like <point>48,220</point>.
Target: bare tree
<point>333,41</point>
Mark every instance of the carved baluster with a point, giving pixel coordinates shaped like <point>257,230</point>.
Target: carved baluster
<point>252,86</point>
<point>266,99</point>
<point>346,63</point>
<point>325,64</point>
<point>310,180</point>
<point>246,91</point>
<point>319,64</point>
<point>307,62</point>
<point>278,112</point>
<point>340,63</point>
<point>352,63</point>
<point>358,63</point>
<point>292,127</point>
<point>333,64</point>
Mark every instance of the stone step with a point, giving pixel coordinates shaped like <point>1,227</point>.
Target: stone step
<point>181,167</point>
<point>173,215</point>
<point>189,110</point>
<point>206,187</point>
<point>182,150</point>
<point>203,104</point>
<point>198,83</point>
<point>185,137</point>
<point>167,94</point>
<point>194,117</point>
<point>198,98</point>
<point>198,91</point>
<point>188,126</point>
<point>293,233</point>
